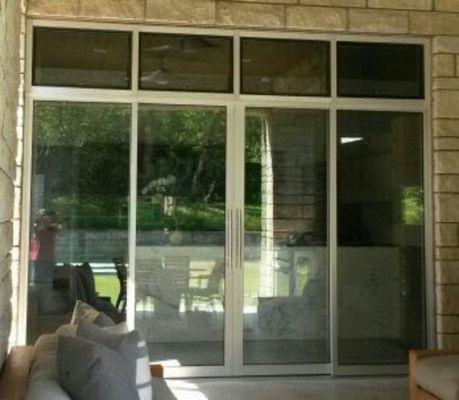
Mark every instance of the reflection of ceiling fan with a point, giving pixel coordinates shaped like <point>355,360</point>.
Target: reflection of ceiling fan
<point>158,76</point>
<point>188,44</point>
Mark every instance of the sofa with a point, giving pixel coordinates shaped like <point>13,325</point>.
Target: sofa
<point>434,375</point>
<point>14,378</point>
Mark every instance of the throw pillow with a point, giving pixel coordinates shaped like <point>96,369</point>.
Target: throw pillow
<point>84,312</point>
<point>131,346</point>
<point>90,371</point>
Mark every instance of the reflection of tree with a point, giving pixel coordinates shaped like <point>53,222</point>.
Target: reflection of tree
<point>82,150</point>
<point>191,146</point>
<point>89,143</point>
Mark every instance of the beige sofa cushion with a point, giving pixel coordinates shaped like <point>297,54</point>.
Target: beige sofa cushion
<point>439,375</point>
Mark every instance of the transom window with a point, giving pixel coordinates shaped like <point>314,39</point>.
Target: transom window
<point>199,63</point>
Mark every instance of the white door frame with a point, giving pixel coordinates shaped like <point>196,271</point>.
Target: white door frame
<point>235,104</point>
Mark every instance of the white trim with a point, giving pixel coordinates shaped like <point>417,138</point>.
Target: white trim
<point>132,230</point>
<point>135,44</point>
<point>23,289</point>
<point>229,239</point>
<point>333,239</point>
<point>238,272</point>
<point>235,104</point>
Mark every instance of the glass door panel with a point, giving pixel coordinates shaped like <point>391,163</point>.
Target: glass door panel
<point>79,211</point>
<point>380,236</point>
<point>180,253</point>
<point>285,306</point>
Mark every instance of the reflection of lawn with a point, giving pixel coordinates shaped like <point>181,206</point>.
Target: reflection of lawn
<point>192,217</point>
<point>107,285</point>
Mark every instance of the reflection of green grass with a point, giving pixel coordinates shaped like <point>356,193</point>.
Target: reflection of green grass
<point>98,212</point>
<point>192,217</point>
<point>107,285</point>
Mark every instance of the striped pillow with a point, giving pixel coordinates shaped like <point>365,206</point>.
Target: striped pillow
<point>143,377</point>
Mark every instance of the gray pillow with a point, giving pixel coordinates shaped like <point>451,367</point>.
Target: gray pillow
<point>131,346</point>
<point>123,344</point>
<point>85,312</point>
<point>90,371</point>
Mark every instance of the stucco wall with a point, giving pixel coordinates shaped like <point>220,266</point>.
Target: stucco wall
<point>10,26</point>
<point>436,19</point>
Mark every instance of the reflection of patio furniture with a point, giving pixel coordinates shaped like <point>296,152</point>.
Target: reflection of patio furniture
<point>178,270</point>
<point>211,292</point>
<point>83,287</point>
<point>121,273</point>
<point>153,281</point>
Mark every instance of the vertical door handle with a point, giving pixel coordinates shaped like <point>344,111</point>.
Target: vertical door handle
<point>229,237</point>
<point>240,238</point>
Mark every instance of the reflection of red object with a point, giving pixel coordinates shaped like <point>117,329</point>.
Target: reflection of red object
<point>34,248</point>
<point>47,244</point>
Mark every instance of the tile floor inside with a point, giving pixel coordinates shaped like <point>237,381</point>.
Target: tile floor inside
<point>291,388</point>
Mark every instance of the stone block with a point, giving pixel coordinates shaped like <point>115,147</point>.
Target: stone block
<point>446,127</point>
<point>446,162</point>
<point>446,183</point>
<point>383,21</point>
<point>443,143</point>
<point>181,11</point>
<point>248,14</point>
<point>448,342</point>
<point>443,65</point>
<point>112,9</point>
<point>401,4</point>
<point>447,272</point>
<point>270,1</point>
<point>434,23</point>
<point>7,191</point>
<point>447,253</point>
<point>445,104</point>
<point>6,239</point>
<point>447,5</point>
<point>447,324</point>
<point>445,44</point>
<point>447,299</point>
<point>445,83</point>
<point>446,207</point>
<point>5,314</point>
<point>61,8</point>
<point>316,18</point>
<point>446,235</point>
<point>335,3</point>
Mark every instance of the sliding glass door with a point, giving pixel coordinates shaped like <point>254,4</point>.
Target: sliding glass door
<point>285,274</point>
<point>181,224</point>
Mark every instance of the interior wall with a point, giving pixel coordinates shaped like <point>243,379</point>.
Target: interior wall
<point>437,20</point>
<point>10,28</point>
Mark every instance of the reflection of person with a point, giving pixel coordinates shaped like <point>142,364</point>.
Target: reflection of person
<point>43,246</point>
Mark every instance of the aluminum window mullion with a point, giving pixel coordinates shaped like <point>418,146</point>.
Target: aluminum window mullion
<point>333,240</point>
<point>135,48</point>
<point>238,138</point>
<point>131,303</point>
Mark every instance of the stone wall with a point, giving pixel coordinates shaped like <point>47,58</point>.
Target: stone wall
<point>10,26</point>
<point>435,19</point>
